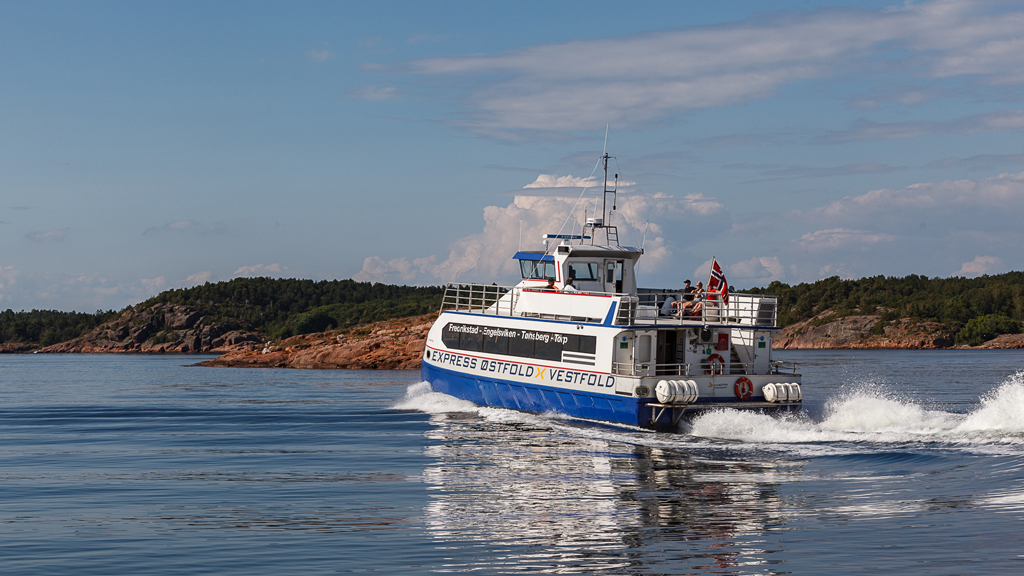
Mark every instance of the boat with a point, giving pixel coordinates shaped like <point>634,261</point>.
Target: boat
<point>604,349</point>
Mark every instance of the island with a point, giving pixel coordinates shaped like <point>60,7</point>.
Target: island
<point>294,323</point>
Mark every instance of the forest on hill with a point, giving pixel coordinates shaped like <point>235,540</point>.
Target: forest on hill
<point>284,307</point>
<point>979,309</point>
<point>276,307</point>
<point>46,327</point>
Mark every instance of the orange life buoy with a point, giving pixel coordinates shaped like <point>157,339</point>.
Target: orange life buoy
<point>710,367</point>
<point>744,388</point>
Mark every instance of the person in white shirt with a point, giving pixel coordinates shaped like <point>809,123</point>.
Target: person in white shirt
<point>569,286</point>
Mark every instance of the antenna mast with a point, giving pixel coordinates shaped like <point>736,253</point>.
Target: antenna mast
<point>611,232</point>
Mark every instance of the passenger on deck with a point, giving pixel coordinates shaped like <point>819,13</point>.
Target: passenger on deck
<point>688,291</point>
<point>569,286</point>
<point>694,307</point>
<point>687,295</point>
<point>551,284</point>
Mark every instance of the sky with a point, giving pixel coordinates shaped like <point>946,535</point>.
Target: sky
<point>149,146</point>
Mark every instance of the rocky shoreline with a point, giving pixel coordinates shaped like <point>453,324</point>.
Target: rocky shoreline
<point>863,332</point>
<point>396,344</point>
<point>159,329</point>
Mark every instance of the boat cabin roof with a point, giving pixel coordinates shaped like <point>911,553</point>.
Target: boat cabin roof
<point>584,251</point>
<point>536,256</point>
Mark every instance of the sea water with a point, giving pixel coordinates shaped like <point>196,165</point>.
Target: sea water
<point>901,462</point>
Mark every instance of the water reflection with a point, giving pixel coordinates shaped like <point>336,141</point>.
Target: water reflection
<point>533,498</point>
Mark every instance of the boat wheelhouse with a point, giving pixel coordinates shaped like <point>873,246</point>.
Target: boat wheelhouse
<point>605,350</point>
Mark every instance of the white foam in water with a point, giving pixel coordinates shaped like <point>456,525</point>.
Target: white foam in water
<point>873,412</point>
<point>1001,411</point>
<point>870,415</point>
<point>865,414</point>
<point>753,427</point>
<point>421,396</point>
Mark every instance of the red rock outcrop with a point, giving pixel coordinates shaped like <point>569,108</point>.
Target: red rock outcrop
<point>395,344</point>
<point>161,328</point>
<point>855,332</point>
<point>1002,342</point>
<point>16,347</point>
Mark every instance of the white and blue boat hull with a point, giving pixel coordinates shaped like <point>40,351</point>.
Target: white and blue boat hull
<point>515,395</point>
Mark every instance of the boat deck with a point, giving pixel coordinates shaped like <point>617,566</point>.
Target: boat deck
<point>648,307</point>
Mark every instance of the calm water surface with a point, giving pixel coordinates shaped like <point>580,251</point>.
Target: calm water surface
<point>902,462</point>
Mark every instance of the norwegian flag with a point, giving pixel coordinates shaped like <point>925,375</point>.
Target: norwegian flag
<point>717,281</point>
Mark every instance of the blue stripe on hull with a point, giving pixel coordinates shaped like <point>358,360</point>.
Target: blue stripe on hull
<point>536,398</point>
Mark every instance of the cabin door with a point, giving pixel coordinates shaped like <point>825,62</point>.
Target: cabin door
<point>645,352</point>
<point>613,276</point>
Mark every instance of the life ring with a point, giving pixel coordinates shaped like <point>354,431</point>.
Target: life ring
<point>709,364</point>
<point>744,388</point>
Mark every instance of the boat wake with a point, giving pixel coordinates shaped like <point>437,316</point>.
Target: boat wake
<point>863,415</point>
<point>869,414</point>
<point>422,398</point>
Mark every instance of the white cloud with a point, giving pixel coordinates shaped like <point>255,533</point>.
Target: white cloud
<point>83,292</point>
<point>185,227</point>
<point>635,80</point>
<point>569,181</point>
<point>556,181</point>
<point>176,226</point>
<point>154,285</point>
<point>197,279</point>
<point>418,38</point>
<point>8,280</point>
<point>701,205</point>
<point>985,204</point>
<point>867,130</point>
<point>258,270</point>
<point>487,255</point>
<point>926,228</point>
<point>47,236</point>
<point>841,238</point>
<point>319,55</point>
<point>374,92</point>
<point>398,270</point>
<point>756,271</point>
<point>980,265</point>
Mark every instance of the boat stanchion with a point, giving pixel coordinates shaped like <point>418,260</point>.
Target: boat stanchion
<point>658,410</point>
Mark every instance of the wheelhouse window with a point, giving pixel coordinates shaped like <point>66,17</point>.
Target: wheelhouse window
<point>536,270</point>
<point>584,271</point>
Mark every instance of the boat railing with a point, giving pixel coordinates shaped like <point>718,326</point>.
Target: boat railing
<point>479,299</point>
<point>656,307</point>
<point>684,370</point>
<point>520,301</point>
<point>647,307</point>
<point>783,366</point>
<point>627,311</point>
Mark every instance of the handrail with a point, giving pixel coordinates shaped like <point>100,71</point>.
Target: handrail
<point>479,298</point>
<point>648,307</point>
<point>626,314</point>
<point>647,369</point>
<point>742,309</point>
<point>779,365</point>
